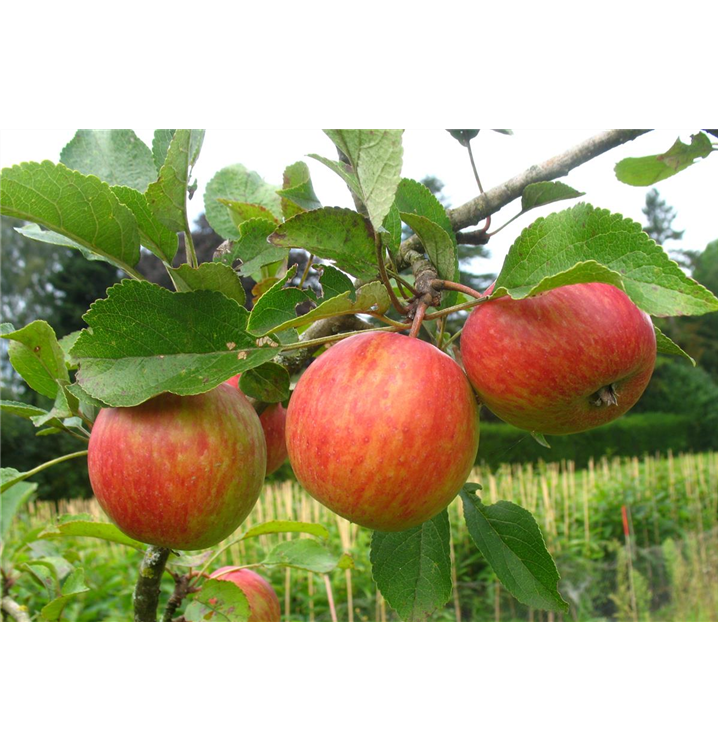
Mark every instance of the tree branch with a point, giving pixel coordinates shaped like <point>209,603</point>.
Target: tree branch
<point>491,201</point>
<point>147,590</point>
<point>12,608</point>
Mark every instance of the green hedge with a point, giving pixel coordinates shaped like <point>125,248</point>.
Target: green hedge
<point>632,435</point>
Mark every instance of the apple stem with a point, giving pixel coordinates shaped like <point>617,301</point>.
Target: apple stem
<point>443,284</point>
<point>147,589</point>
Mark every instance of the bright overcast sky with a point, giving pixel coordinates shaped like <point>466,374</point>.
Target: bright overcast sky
<point>434,152</point>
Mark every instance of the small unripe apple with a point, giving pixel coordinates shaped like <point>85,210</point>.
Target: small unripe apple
<point>565,361</point>
<point>383,429</point>
<point>179,471</point>
<point>273,420</point>
<point>263,601</point>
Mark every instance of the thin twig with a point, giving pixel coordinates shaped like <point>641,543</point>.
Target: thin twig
<point>401,309</point>
<point>306,271</point>
<point>418,320</point>
<point>473,166</point>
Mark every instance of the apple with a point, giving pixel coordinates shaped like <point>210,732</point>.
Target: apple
<point>179,471</point>
<point>565,361</point>
<point>263,601</point>
<point>273,420</point>
<point>383,429</point>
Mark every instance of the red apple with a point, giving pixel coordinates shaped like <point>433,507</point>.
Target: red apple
<point>273,420</point>
<point>179,471</point>
<point>383,429</point>
<point>565,361</point>
<point>263,601</point>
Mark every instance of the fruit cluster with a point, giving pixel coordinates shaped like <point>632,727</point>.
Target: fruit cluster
<point>382,428</point>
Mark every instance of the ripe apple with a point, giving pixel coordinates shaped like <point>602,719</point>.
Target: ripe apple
<point>565,361</point>
<point>179,471</point>
<point>383,429</point>
<point>273,420</point>
<point>263,601</point>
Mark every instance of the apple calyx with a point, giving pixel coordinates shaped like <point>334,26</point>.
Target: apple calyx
<point>605,396</point>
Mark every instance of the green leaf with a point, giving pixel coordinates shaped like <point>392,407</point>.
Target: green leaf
<point>297,191</point>
<point>376,157</point>
<point>647,170</point>
<point>304,554</point>
<point>218,601</point>
<point>241,212</point>
<point>511,541</point>
<point>437,243</point>
<point>66,343</point>
<point>253,247</point>
<point>93,529</point>
<point>268,382</point>
<point>43,571</point>
<point>335,282</point>
<point>12,500</point>
<point>582,244</point>
<point>216,277</point>
<point>414,198</point>
<point>21,410</point>
<point>153,234</point>
<point>413,568</point>
<point>345,171</point>
<point>73,585</point>
<point>64,408</point>
<point>160,146</point>
<point>282,527</point>
<point>117,157</point>
<point>464,136</point>
<point>167,196</point>
<point>37,357</point>
<point>371,297</point>
<point>664,345</point>
<point>337,234</point>
<point>391,236</point>
<point>77,391</point>
<point>144,340</point>
<point>543,193</point>
<point>236,183</point>
<point>540,439</point>
<point>79,207</point>
<point>37,233</point>
<point>276,306</point>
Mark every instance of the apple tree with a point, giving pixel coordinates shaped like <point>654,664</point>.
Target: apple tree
<point>382,428</point>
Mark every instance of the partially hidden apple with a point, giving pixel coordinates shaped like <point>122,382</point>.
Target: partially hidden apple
<point>564,361</point>
<point>273,420</point>
<point>263,601</point>
<point>179,471</point>
<point>383,429</point>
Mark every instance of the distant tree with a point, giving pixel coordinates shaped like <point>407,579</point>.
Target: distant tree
<point>659,219</point>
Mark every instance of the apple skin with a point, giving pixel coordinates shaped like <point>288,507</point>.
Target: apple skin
<point>178,471</point>
<point>383,429</point>
<point>273,420</point>
<point>263,600</point>
<point>538,363</point>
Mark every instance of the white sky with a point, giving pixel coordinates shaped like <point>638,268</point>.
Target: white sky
<point>692,193</point>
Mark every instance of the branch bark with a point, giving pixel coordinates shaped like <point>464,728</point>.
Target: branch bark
<point>12,608</point>
<point>147,590</point>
